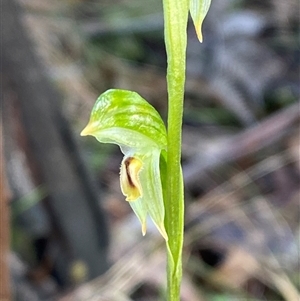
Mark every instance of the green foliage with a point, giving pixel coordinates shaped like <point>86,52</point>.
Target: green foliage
<point>29,200</point>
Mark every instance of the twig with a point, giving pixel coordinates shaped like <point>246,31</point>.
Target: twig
<point>248,142</point>
<point>149,23</point>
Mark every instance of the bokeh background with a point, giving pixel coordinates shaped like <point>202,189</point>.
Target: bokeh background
<point>66,231</point>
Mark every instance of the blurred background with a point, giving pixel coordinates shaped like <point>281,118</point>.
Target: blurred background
<point>66,231</point>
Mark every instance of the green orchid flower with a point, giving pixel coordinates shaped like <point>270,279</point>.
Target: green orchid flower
<point>126,119</point>
<point>150,176</point>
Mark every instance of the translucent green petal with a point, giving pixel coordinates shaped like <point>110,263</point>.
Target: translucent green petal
<point>140,209</point>
<point>152,190</point>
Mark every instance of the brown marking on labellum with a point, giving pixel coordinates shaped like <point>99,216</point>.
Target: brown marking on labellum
<point>127,164</point>
<point>129,178</point>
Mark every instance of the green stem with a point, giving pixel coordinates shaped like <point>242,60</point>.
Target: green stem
<point>176,17</point>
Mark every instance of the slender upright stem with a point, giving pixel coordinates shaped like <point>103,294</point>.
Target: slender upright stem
<point>176,16</point>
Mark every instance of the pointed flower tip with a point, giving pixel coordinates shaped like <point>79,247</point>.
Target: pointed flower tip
<point>163,232</point>
<point>88,130</point>
<point>199,33</point>
<point>144,229</point>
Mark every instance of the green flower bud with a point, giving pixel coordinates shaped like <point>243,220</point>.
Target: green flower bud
<point>198,10</point>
